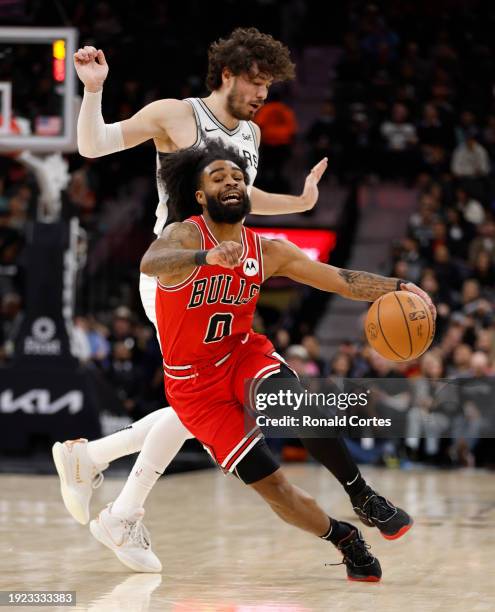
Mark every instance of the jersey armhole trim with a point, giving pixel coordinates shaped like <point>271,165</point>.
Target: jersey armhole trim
<point>245,244</point>
<point>253,131</point>
<point>259,251</point>
<point>193,274</point>
<point>197,121</point>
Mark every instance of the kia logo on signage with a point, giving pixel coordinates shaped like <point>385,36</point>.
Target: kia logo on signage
<point>40,401</point>
<point>42,341</point>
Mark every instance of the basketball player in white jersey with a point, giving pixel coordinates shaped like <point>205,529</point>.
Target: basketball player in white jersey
<point>241,69</point>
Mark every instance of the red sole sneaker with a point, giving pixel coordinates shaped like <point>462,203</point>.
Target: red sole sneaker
<point>399,533</point>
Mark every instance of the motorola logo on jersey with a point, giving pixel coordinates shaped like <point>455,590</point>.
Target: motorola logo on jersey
<point>218,289</point>
<point>250,267</point>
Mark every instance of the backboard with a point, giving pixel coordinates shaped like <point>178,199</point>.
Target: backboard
<point>38,104</point>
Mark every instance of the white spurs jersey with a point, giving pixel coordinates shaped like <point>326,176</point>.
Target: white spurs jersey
<point>207,125</point>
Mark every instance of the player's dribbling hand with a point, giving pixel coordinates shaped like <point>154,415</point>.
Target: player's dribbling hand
<point>91,67</point>
<point>422,294</point>
<point>309,195</point>
<point>226,254</point>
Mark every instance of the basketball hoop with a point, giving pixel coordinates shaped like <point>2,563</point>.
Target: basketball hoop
<point>12,128</point>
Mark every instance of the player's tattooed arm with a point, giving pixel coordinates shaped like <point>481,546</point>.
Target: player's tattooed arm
<point>282,258</point>
<point>369,287</point>
<point>172,256</point>
<point>365,285</point>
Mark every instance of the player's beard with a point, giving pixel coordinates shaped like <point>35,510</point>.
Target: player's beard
<point>228,213</point>
<point>234,106</point>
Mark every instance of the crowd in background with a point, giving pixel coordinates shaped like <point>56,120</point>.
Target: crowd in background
<point>412,101</point>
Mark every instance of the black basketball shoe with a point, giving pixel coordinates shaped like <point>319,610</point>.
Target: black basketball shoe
<point>376,511</point>
<point>361,565</point>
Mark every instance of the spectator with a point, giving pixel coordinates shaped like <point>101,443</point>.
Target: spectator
<point>484,241</point>
<point>278,128</point>
<point>121,329</point>
<point>435,140</point>
<point>311,344</point>
<point>471,209</point>
<point>400,144</point>
<point>420,225</point>
<point>477,401</point>
<point>485,342</point>
<point>98,342</point>
<point>470,159</point>
<point>81,347</point>
<point>432,132</point>
<point>467,125</point>
<point>446,272</point>
<point>410,254</point>
<point>460,232</point>
<point>324,137</point>
<point>341,365</point>
<point>282,340</point>
<point>484,271</point>
<point>461,362</point>
<point>473,304</point>
<point>298,359</point>
<point>358,139</point>
<point>18,208</point>
<point>125,376</point>
<point>426,418</point>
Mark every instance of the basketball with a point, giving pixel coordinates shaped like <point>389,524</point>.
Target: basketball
<point>399,326</point>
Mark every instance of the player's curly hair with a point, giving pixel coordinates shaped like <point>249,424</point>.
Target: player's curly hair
<point>181,173</point>
<point>243,48</point>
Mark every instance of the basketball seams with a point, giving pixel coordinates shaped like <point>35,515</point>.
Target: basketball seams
<point>429,327</point>
<point>407,326</point>
<point>381,330</point>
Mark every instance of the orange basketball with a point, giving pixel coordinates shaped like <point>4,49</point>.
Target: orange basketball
<point>399,326</point>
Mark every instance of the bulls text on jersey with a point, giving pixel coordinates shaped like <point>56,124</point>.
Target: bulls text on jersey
<point>216,290</point>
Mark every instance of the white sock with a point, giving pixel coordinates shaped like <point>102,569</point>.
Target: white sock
<point>162,443</point>
<point>124,442</point>
<point>137,487</point>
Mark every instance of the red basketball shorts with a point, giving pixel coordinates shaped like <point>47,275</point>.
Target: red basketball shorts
<point>209,400</point>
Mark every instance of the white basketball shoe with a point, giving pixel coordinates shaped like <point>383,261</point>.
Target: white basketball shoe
<point>128,538</point>
<point>79,476</point>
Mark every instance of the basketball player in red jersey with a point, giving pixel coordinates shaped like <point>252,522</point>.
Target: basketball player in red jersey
<point>209,269</point>
<point>241,68</point>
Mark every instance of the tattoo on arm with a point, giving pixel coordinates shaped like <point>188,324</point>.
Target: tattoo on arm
<point>366,286</point>
<point>169,261</point>
<point>173,253</point>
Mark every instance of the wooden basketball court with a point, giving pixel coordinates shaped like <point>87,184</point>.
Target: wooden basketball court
<point>223,550</point>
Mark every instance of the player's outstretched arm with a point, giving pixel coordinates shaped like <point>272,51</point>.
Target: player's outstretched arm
<point>96,138</point>
<point>282,258</point>
<point>264,203</point>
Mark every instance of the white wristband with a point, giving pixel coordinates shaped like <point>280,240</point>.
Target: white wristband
<point>94,137</point>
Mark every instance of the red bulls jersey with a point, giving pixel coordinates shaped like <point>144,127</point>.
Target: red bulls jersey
<point>210,313</point>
